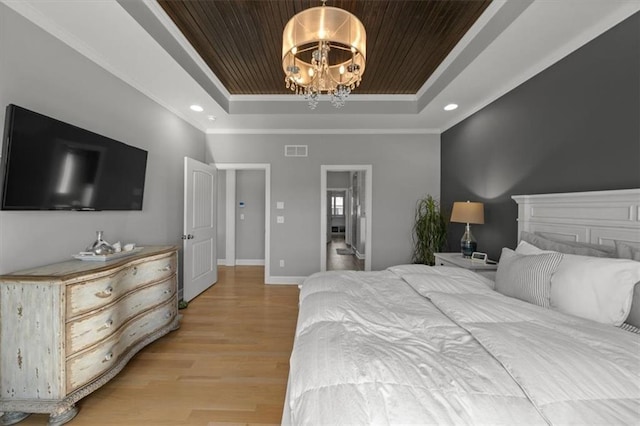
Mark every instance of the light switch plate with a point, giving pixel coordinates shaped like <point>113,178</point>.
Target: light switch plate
<point>280,205</point>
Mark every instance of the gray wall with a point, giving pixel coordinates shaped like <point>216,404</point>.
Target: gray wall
<point>573,127</point>
<point>41,73</point>
<point>338,180</point>
<point>405,168</point>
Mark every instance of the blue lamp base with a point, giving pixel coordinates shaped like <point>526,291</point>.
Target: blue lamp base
<point>468,243</point>
<point>468,247</point>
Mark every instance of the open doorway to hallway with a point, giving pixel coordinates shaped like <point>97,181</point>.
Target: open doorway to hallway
<point>342,252</point>
<point>346,217</point>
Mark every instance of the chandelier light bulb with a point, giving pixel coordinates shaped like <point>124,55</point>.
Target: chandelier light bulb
<point>294,50</point>
<point>341,69</point>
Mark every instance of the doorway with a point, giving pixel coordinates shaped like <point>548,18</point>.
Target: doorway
<point>346,217</point>
<point>342,253</point>
<point>230,222</point>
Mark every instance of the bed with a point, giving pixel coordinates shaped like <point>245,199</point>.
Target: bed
<point>550,341</point>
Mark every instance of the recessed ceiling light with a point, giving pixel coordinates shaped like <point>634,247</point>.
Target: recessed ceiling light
<point>450,107</point>
<point>196,108</point>
<point>211,117</point>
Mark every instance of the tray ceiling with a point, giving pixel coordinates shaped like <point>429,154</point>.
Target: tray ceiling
<point>510,42</point>
<point>241,40</point>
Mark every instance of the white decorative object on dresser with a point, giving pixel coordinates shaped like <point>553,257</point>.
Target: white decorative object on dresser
<point>68,328</point>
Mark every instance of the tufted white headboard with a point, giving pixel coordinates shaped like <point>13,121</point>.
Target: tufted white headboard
<point>598,217</point>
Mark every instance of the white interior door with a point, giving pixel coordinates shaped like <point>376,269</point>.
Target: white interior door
<point>200,269</point>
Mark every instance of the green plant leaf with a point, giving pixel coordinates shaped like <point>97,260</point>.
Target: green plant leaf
<point>429,231</point>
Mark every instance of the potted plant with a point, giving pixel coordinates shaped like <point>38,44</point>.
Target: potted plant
<point>429,231</point>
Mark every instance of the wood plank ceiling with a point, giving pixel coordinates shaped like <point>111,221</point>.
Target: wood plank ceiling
<point>241,40</point>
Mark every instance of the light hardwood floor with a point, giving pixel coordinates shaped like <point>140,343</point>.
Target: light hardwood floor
<point>227,364</point>
<point>341,262</point>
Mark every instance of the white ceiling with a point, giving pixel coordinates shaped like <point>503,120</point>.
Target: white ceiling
<point>511,42</point>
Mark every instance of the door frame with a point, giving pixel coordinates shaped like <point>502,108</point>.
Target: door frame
<point>230,220</point>
<point>324,169</point>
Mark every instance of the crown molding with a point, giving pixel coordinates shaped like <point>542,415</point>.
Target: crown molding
<point>324,131</point>
<point>26,10</point>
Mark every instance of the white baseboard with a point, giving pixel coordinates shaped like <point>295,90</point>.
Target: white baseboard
<point>285,280</point>
<point>250,262</point>
<point>359,255</point>
<point>243,262</point>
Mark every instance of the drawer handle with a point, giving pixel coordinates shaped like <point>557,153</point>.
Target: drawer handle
<point>166,268</point>
<point>168,315</point>
<point>106,325</point>
<point>108,357</point>
<point>106,293</point>
<point>135,270</point>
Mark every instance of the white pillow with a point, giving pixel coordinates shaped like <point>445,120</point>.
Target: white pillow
<point>596,288</point>
<point>526,278</point>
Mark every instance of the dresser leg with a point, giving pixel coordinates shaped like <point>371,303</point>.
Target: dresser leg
<point>59,419</point>
<point>12,417</point>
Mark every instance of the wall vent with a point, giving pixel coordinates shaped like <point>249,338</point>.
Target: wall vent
<point>295,150</point>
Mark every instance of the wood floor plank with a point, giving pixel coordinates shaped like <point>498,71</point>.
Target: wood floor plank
<point>228,363</point>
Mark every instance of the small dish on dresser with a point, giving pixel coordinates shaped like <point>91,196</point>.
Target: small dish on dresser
<point>105,257</point>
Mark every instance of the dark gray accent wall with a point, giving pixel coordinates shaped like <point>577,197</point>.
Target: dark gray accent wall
<point>573,127</point>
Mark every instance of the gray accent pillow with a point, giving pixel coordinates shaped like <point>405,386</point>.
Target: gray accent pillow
<point>527,278</point>
<point>628,250</point>
<point>634,314</point>
<point>568,247</point>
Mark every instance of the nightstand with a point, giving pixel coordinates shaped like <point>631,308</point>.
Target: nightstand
<point>456,260</point>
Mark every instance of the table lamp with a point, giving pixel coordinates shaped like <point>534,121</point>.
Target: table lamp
<point>467,212</point>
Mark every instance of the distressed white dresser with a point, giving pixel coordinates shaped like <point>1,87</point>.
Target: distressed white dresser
<point>68,328</point>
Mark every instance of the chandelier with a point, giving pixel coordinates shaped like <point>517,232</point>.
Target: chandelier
<point>323,51</point>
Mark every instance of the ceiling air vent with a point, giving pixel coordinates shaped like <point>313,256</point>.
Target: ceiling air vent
<point>295,150</point>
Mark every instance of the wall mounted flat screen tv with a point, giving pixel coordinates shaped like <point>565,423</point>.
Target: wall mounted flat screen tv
<point>51,165</point>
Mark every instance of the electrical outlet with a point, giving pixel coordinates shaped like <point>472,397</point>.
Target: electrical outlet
<point>280,219</point>
<point>282,263</point>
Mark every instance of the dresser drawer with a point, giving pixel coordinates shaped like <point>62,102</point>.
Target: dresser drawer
<point>92,328</point>
<point>85,366</point>
<point>94,294</point>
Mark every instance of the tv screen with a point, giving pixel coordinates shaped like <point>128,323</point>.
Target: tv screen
<point>51,165</point>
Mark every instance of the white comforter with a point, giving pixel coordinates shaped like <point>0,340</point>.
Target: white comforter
<point>421,345</point>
